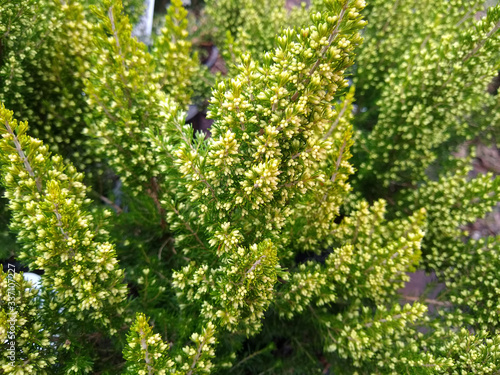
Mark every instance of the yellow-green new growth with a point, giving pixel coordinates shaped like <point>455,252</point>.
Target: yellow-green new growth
<point>25,332</point>
<point>452,58</point>
<point>122,90</point>
<point>145,352</point>
<point>251,26</point>
<point>44,62</point>
<point>237,293</point>
<point>171,52</point>
<point>313,223</point>
<point>50,214</point>
<point>371,262</point>
<point>266,115</point>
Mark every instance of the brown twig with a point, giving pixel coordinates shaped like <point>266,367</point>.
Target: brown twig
<point>108,201</point>
<point>153,193</point>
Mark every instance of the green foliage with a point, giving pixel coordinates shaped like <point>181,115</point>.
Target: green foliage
<point>280,244</point>
<point>146,351</point>
<point>451,202</point>
<point>119,86</point>
<point>171,51</point>
<point>51,218</point>
<point>44,49</point>
<point>250,26</point>
<point>452,58</point>
<point>24,331</point>
<point>476,296</point>
<point>370,263</point>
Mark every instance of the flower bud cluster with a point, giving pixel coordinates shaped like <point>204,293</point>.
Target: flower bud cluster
<point>274,118</point>
<point>473,283</point>
<point>171,52</point>
<point>372,262</point>
<point>251,26</point>
<point>196,358</point>
<point>477,353</point>
<point>50,215</point>
<point>45,55</point>
<point>120,88</point>
<point>268,149</point>
<point>236,294</point>
<point>486,121</point>
<point>314,219</point>
<point>363,335</point>
<point>25,334</point>
<point>248,218</point>
<point>451,202</point>
<point>452,58</point>
<point>146,353</point>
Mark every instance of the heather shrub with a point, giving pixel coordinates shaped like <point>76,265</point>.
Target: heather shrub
<point>280,242</point>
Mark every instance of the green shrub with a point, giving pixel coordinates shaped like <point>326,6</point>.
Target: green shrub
<point>280,243</point>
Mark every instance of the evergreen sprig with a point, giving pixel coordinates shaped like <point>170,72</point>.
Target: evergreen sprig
<point>452,58</point>
<point>282,242</point>
<point>52,219</point>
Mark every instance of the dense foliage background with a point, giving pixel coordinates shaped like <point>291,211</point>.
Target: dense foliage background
<point>260,190</point>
